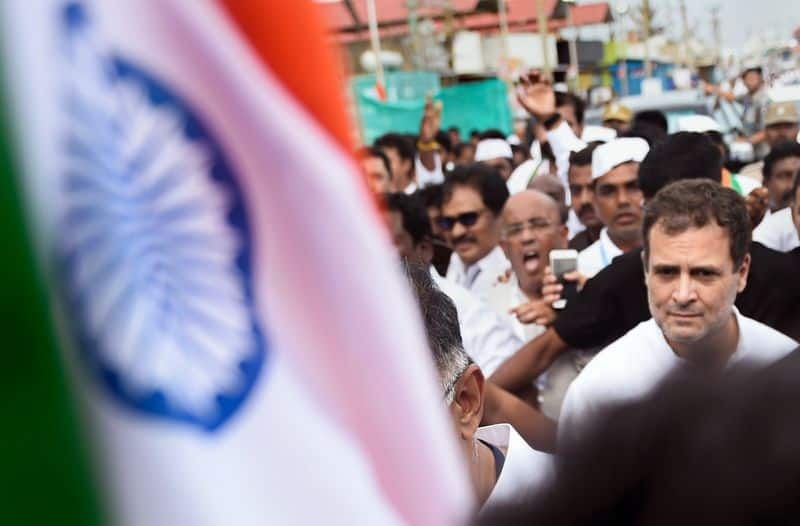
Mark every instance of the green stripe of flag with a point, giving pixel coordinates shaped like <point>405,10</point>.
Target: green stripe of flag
<point>44,470</point>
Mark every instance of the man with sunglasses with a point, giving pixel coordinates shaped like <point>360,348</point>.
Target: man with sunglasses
<point>617,200</point>
<point>472,200</point>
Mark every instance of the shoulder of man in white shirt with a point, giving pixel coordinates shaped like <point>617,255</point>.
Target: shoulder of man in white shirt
<point>777,231</point>
<point>525,472</point>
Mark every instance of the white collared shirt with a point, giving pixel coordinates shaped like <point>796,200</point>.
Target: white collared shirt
<point>505,296</point>
<point>553,383</point>
<point>488,340</point>
<point>480,277</point>
<point>777,231</point>
<point>632,366</point>
<point>525,470</point>
<point>598,255</point>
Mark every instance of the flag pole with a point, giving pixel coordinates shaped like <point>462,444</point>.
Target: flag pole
<point>376,49</point>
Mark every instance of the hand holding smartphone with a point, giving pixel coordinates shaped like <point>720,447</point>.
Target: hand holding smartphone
<point>563,262</point>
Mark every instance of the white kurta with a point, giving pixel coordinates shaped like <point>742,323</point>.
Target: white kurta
<point>777,231</point>
<point>505,296</point>
<point>480,277</point>
<point>488,340</point>
<point>525,470</point>
<point>553,383</point>
<point>598,255</point>
<point>632,366</point>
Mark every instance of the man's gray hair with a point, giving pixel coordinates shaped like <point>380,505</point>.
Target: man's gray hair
<point>441,327</point>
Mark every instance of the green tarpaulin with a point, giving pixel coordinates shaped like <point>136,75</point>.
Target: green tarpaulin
<point>473,105</point>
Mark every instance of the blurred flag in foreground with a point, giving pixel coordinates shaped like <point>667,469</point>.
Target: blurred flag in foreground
<point>226,304</point>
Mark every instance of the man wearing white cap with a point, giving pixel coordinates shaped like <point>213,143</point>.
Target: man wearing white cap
<point>617,200</point>
<point>495,152</point>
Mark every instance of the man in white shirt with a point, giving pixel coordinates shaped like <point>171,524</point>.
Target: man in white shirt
<point>503,469</point>
<point>696,237</point>
<point>617,200</point>
<point>776,230</point>
<point>472,198</point>
<point>487,338</point>
<point>533,225</point>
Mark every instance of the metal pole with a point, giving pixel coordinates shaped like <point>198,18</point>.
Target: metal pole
<point>648,66</point>
<point>375,40</point>
<point>501,13</point>
<point>542,23</point>
<point>573,47</point>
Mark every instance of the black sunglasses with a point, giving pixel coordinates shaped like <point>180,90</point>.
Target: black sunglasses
<point>467,219</point>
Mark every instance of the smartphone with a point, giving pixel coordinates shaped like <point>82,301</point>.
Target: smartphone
<point>562,262</point>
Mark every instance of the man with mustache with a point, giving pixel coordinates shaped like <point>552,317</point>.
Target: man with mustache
<point>579,176</point>
<point>777,230</point>
<point>780,166</point>
<point>472,198</point>
<point>617,200</point>
<point>696,243</point>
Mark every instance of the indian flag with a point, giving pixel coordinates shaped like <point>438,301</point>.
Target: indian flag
<point>205,321</point>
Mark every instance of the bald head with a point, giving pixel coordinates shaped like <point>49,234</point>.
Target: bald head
<point>529,200</point>
<point>532,227</point>
<point>550,185</point>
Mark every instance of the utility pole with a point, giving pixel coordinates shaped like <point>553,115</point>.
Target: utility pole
<point>573,46</point>
<point>687,53</point>
<point>646,14</point>
<point>542,23</point>
<point>501,13</point>
<point>717,33</point>
<point>375,40</point>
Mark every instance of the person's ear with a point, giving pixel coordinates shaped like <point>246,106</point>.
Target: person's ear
<point>743,271</point>
<point>468,401</point>
<point>563,235</point>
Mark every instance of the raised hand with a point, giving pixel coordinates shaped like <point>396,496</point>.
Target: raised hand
<point>536,95</point>
<point>431,120</point>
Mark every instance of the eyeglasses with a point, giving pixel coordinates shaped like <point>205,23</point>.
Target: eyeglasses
<point>536,224</point>
<point>467,219</point>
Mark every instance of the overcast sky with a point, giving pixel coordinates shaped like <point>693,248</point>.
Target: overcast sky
<point>739,18</point>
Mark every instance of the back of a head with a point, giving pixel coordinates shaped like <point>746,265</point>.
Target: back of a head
<point>644,130</point>
<point>444,141</point>
<point>695,204</point>
<point>493,134</point>
<point>686,454</point>
<point>415,218</point>
<point>482,178</point>
<point>583,157</point>
<point>780,151</point>
<point>654,118</point>
<point>440,319</point>
<point>680,156</point>
<point>401,143</point>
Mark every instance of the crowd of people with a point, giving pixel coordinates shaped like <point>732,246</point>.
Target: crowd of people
<point>685,268</point>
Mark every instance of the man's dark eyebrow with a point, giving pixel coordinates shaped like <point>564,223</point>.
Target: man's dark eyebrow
<point>665,266</point>
<point>710,269</point>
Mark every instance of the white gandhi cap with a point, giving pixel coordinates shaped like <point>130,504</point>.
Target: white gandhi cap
<point>492,149</point>
<point>619,151</point>
<point>698,124</point>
